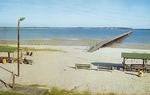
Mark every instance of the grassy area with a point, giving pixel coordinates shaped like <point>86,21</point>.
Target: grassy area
<point>42,49</point>
<point>36,85</point>
<point>30,85</point>
<point>57,91</point>
<point>7,48</point>
<point>9,93</point>
<point>12,49</point>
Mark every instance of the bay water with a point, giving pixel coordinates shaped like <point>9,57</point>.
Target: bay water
<point>139,36</point>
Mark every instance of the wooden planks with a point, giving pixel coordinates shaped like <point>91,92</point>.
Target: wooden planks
<point>105,68</point>
<point>88,66</point>
<point>29,90</point>
<point>107,42</point>
<point>83,66</point>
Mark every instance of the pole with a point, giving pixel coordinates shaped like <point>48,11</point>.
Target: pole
<point>8,54</point>
<point>18,47</point>
<point>21,19</point>
<point>13,81</point>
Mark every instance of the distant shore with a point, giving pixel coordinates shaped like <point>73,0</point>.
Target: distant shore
<point>74,42</point>
<point>64,27</point>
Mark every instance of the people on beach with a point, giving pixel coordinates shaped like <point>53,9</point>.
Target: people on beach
<point>140,73</point>
<point>4,61</point>
<point>29,53</point>
<point>25,61</point>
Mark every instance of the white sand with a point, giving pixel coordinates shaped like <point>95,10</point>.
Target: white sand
<point>56,69</point>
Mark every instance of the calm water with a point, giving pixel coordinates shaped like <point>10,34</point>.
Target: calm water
<point>138,36</point>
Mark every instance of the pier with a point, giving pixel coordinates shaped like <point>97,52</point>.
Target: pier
<point>108,42</point>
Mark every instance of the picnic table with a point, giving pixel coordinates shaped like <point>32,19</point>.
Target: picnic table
<point>143,56</point>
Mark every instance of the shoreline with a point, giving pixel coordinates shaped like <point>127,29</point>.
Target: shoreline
<point>74,42</point>
<point>65,42</point>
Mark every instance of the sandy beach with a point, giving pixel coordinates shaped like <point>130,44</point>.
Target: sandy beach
<point>73,42</point>
<point>75,47</point>
<point>57,69</point>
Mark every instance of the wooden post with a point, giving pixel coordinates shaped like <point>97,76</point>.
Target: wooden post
<point>143,62</point>
<point>8,54</point>
<point>18,47</point>
<point>13,81</point>
<point>123,64</point>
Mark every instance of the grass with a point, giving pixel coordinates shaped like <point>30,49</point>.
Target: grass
<point>31,85</point>
<point>57,91</point>
<point>9,93</point>
<point>43,49</point>
<point>36,85</point>
<point>7,49</point>
<point>12,49</point>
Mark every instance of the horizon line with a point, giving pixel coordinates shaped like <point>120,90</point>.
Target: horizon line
<point>75,27</point>
<point>65,27</point>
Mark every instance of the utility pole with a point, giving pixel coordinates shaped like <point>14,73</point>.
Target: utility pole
<point>18,49</point>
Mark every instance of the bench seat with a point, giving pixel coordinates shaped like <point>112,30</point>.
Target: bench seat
<point>83,66</point>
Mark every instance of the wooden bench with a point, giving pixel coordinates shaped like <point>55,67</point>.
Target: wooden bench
<point>147,68</point>
<point>105,68</point>
<point>83,66</point>
<point>126,67</point>
<point>137,67</point>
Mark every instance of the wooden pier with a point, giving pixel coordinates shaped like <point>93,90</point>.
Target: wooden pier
<point>108,42</point>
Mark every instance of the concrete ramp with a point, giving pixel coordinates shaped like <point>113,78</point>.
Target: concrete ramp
<point>108,42</point>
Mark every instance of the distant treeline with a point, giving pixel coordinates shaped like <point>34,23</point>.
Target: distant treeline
<point>64,27</point>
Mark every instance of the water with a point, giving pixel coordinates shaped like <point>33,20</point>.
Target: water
<point>138,36</point>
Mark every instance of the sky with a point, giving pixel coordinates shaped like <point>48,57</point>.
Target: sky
<point>76,13</point>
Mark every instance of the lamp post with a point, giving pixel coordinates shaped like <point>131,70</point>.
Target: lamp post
<point>20,19</point>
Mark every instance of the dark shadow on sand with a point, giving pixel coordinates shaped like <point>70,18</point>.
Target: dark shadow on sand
<point>71,67</point>
<point>115,65</point>
<point>132,74</point>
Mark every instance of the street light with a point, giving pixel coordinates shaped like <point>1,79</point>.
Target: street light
<point>20,19</point>
<point>13,79</point>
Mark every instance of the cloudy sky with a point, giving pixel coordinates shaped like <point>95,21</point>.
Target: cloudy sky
<point>76,13</point>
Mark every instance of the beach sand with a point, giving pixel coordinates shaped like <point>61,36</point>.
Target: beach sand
<point>74,42</point>
<point>57,69</point>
